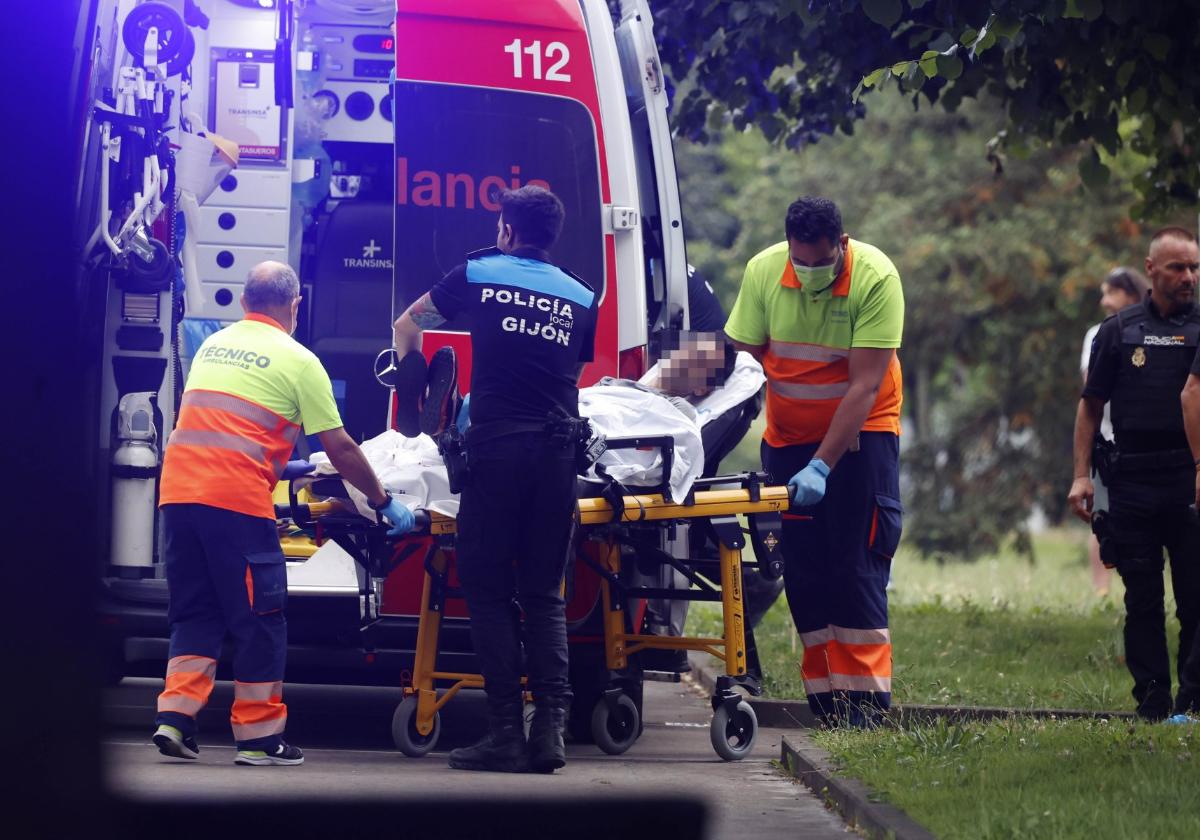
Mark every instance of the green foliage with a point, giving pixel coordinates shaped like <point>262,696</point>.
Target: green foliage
<point>1016,778</point>
<point>1063,71</point>
<point>1000,278</point>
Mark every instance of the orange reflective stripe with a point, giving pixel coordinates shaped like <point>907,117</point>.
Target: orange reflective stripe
<point>258,710</point>
<point>189,683</point>
<point>815,663</point>
<point>263,729</point>
<point>874,527</point>
<point>800,412</point>
<point>249,586</point>
<point>859,660</point>
<point>227,452</point>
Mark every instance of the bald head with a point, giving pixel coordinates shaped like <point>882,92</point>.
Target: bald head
<point>1172,266</point>
<point>273,289</point>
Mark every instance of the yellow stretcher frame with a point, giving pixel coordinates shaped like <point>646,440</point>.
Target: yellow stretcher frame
<point>416,724</point>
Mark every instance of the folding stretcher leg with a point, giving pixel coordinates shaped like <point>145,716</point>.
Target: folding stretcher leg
<point>616,722</point>
<point>734,726</point>
<point>416,724</point>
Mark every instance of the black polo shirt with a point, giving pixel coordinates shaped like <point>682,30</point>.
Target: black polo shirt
<point>531,326</point>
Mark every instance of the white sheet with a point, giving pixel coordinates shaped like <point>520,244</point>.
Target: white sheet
<point>412,470</point>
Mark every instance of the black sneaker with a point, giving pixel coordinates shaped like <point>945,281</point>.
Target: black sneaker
<point>411,372</point>
<point>170,741</point>
<point>284,754</point>
<point>442,384</point>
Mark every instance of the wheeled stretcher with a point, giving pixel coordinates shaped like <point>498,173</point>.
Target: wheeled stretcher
<point>624,537</point>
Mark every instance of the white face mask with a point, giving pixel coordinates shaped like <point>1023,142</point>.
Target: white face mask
<point>817,278</point>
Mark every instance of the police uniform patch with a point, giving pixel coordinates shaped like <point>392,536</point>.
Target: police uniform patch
<point>1139,357</point>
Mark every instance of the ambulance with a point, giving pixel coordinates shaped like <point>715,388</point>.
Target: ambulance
<point>371,139</point>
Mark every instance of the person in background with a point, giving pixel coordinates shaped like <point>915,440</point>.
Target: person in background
<point>1122,287</point>
<point>1141,362</point>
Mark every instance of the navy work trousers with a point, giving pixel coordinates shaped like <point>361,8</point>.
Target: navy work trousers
<point>837,557</point>
<point>226,575</point>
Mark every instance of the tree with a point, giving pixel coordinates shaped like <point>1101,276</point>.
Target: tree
<point>1001,279</point>
<point>1064,72</point>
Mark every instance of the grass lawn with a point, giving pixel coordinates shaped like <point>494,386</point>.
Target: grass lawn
<point>1030,778</point>
<point>1004,632</point>
<point>997,632</point>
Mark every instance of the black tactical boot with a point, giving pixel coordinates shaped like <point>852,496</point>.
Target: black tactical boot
<point>546,751</point>
<point>502,750</point>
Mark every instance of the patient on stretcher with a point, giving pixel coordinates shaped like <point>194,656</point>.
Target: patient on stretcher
<point>697,394</point>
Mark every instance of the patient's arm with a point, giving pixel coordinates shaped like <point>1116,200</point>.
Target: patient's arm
<point>755,350</point>
<point>352,465</point>
<point>422,315</point>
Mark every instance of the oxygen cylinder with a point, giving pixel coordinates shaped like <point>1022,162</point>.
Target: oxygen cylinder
<point>134,473</point>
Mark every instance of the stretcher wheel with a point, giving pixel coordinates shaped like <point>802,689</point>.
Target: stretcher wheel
<point>615,726</point>
<point>733,732</point>
<point>404,730</point>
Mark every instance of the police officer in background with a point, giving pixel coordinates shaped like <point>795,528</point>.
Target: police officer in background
<point>1140,363</point>
<point>532,327</point>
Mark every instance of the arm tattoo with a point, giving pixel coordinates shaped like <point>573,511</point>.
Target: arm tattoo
<point>424,314</point>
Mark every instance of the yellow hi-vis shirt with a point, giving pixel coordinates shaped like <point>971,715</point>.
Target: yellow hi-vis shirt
<point>809,336</point>
<point>250,388</point>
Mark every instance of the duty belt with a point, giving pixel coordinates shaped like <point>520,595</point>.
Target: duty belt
<point>1140,462</point>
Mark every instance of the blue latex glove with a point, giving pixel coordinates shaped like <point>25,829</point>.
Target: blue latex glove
<point>295,469</point>
<point>808,486</point>
<point>400,517</point>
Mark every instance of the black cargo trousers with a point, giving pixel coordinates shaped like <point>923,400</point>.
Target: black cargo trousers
<point>514,530</point>
<point>1149,512</point>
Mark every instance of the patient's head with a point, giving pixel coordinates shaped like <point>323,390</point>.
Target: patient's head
<point>695,363</point>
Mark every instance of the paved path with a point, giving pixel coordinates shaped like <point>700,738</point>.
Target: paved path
<point>345,734</point>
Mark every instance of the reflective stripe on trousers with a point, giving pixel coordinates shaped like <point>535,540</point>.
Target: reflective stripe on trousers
<point>188,685</point>
<point>846,659</point>
<point>258,710</point>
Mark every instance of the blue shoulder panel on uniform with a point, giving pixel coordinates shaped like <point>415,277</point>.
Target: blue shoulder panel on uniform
<point>532,275</point>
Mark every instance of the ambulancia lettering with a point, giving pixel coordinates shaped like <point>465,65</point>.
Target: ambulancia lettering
<point>428,188</point>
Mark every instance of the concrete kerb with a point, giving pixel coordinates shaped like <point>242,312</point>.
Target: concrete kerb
<point>795,714</point>
<point>810,765</point>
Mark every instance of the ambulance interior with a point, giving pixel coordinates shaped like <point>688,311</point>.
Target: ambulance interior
<point>336,182</point>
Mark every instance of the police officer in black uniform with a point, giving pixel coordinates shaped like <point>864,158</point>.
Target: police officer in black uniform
<point>1139,364</point>
<point>532,327</point>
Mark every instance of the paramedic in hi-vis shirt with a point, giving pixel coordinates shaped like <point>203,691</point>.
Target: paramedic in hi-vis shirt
<point>250,390</point>
<point>824,314</point>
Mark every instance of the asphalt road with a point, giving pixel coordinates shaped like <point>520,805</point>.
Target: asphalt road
<point>349,756</point>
